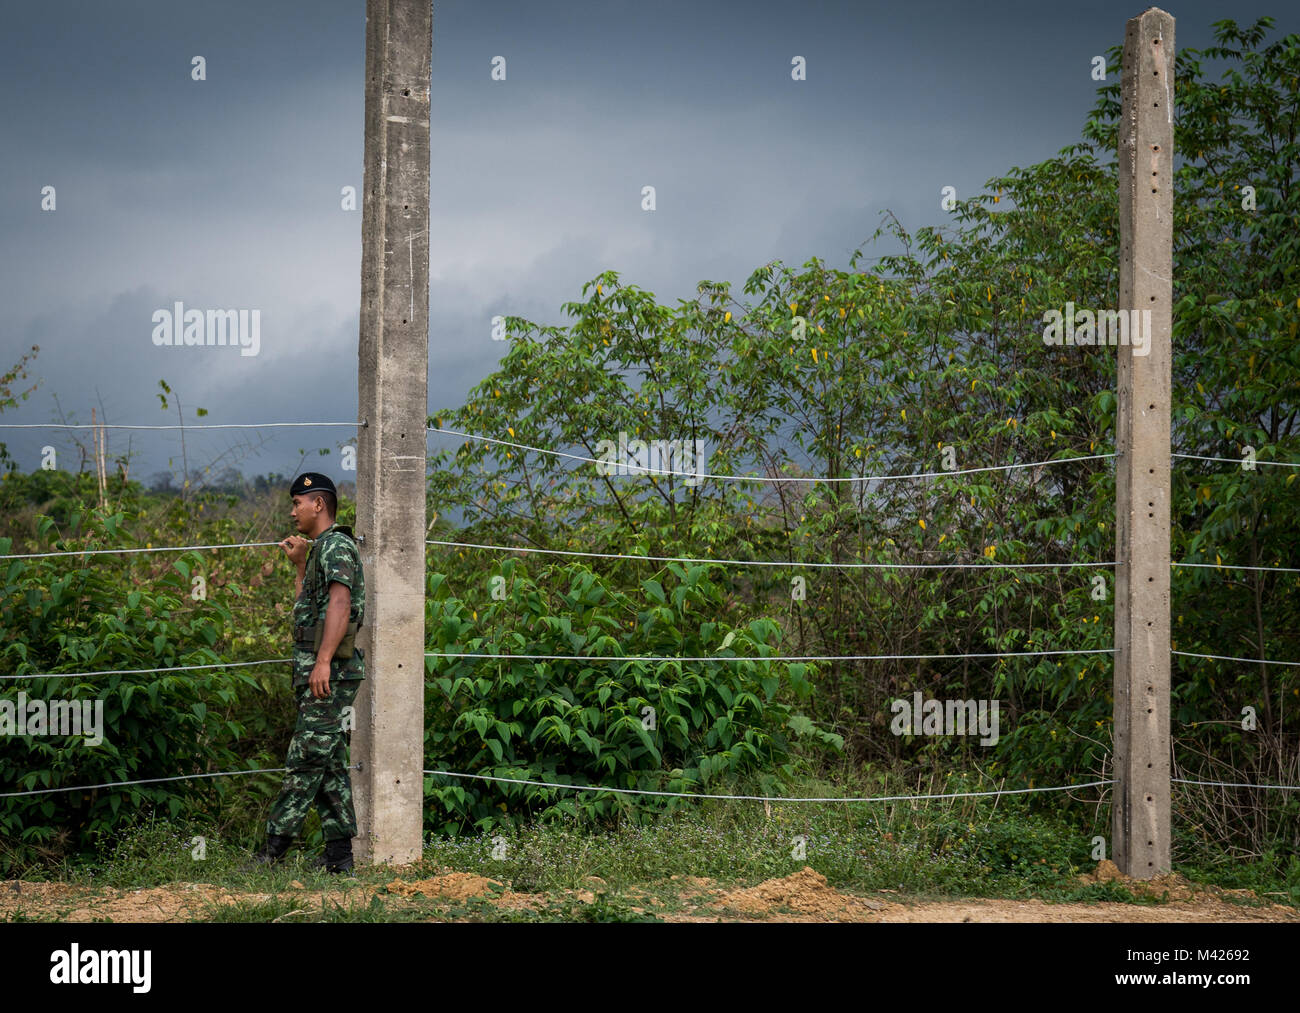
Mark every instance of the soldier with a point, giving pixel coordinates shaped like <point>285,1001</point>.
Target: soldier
<point>327,672</point>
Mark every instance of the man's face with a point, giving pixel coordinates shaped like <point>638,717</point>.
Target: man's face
<point>305,510</point>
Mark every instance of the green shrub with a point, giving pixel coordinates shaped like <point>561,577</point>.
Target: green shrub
<point>579,722</point>
<point>108,613</point>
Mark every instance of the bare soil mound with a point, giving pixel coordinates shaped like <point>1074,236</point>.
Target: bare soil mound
<point>804,893</point>
<point>458,886</point>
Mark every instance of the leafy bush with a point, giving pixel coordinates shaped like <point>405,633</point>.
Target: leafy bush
<point>93,614</point>
<point>677,726</point>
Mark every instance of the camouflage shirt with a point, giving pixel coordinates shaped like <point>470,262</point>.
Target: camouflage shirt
<point>333,558</point>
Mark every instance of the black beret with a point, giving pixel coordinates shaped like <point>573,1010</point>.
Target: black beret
<point>312,481</point>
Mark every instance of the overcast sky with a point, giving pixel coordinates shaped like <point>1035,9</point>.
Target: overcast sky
<point>225,193</point>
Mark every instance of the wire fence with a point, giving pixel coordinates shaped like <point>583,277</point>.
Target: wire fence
<point>813,479</point>
<point>996,793</point>
<point>201,425</point>
<point>147,671</point>
<point>1238,460</point>
<point>772,657</point>
<point>768,798</point>
<point>658,659</point>
<point>147,780</point>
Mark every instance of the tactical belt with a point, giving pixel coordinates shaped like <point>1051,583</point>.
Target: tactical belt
<point>309,637</point>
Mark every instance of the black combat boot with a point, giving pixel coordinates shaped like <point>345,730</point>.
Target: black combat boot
<point>337,857</point>
<point>273,851</point>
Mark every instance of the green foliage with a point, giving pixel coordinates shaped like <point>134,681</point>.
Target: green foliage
<point>942,848</point>
<point>89,616</point>
<point>289,908</point>
<point>9,398</point>
<point>831,374</point>
<point>843,375</point>
<point>677,726</point>
<point>1236,375</point>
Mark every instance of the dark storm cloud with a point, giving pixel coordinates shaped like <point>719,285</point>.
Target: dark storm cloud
<point>225,193</point>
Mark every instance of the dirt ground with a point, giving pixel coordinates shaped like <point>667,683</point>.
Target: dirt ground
<point>803,896</point>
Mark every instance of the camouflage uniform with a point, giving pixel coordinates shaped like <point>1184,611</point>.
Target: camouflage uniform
<point>318,753</point>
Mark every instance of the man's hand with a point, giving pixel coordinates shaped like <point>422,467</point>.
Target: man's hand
<point>296,549</point>
<point>320,680</point>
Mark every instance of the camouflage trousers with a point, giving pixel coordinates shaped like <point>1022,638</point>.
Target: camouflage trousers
<point>318,766</point>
